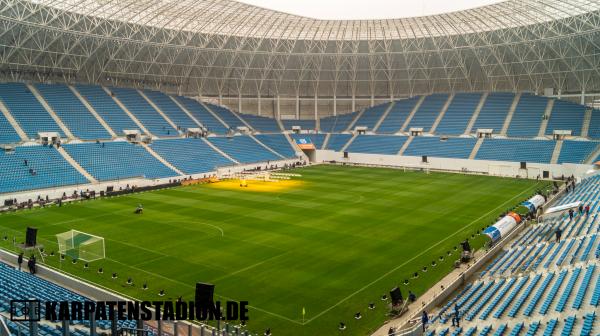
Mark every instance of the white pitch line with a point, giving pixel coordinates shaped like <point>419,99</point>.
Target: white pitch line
<point>413,258</point>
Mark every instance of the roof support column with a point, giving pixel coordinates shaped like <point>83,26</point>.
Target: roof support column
<point>297,107</point>
<point>240,102</point>
<point>316,108</point>
<point>353,102</point>
<point>278,116</point>
<point>258,102</point>
<point>334,105</point>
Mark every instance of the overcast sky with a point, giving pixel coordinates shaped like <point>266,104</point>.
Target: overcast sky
<point>367,9</point>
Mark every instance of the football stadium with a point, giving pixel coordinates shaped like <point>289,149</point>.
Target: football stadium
<point>232,168</point>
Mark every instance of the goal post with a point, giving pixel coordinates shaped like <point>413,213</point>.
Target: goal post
<point>501,170</point>
<point>81,245</point>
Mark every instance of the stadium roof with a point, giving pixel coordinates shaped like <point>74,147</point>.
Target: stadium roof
<point>228,17</point>
<point>224,47</point>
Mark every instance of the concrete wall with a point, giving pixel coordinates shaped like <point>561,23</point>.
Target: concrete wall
<point>499,168</point>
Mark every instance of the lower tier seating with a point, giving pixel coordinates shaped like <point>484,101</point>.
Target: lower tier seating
<point>191,156</point>
<point>539,151</point>
<point>117,160</point>
<point>243,149</point>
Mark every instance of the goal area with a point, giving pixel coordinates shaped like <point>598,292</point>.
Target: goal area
<point>80,245</point>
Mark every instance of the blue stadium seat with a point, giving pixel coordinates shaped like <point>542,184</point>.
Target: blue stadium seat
<point>228,116</point>
<point>144,112</point>
<point>337,141</point>
<point>371,116</point>
<point>494,111</point>
<point>395,119</point>
<point>199,112</point>
<point>305,124</point>
<point>49,169</point>
<point>458,114</point>
<point>428,111</point>
<point>117,160</point>
<point>336,124</point>
<point>260,123</point>
<point>171,109</point>
<point>528,115</point>
<point>516,150</point>
<point>377,144</point>
<point>192,156</point>
<point>278,143</point>
<point>243,149</point>
<point>27,110</point>
<point>72,112</point>
<point>576,151</point>
<point>459,148</point>
<point>107,108</point>
<point>566,116</point>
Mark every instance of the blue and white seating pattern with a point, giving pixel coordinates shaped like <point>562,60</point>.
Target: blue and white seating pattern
<point>428,112</point>
<point>551,286</point>
<point>228,116</point>
<point>371,116</point>
<point>377,144</point>
<point>199,112</point>
<point>170,108</point>
<point>278,143</point>
<point>337,141</point>
<point>107,108</point>
<point>261,124</point>
<point>566,116</point>
<point>72,112</point>
<point>191,156</point>
<point>516,150</point>
<point>243,149</point>
<point>576,151</point>
<point>117,160</point>
<point>27,110</point>
<point>317,139</point>
<point>397,116</point>
<point>594,128</point>
<point>458,114</point>
<point>336,124</point>
<point>527,116</point>
<point>144,112</point>
<point>305,124</point>
<point>48,169</point>
<point>494,112</point>
<point>458,148</point>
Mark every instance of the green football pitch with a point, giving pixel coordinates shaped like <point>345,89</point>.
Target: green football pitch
<point>331,244</point>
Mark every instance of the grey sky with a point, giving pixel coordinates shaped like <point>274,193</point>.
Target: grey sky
<point>367,9</point>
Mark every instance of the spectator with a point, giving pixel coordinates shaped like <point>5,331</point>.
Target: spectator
<point>558,234</point>
<point>20,260</point>
<point>424,320</point>
<point>456,318</point>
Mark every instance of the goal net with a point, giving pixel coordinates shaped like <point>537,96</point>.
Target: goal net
<point>501,170</point>
<point>80,245</point>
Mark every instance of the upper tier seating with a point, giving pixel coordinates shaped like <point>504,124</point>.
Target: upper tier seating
<point>594,130</point>
<point>337,123</point>
<point>576,151</point>
<point>278,143</point>
<point>27,110</point>
<point>7,132</point>
<point>372,115</point>
<point>171,109</point>
<point>377,144</point>
<point>303,123</point>
<point>243,149</point>
<point>428,111</point>
<point>458,148</point>
<point>539,151</point>
<point>397,116</point>
<point>144,112</point>
<point>199,112</point>
<point>566,116</point>
<point>458,114</point>
<point>338,141</point>
<point>117,160</point>
<point>48,169</point>
<point>528,116</point>
<point>107,108</point>
<point>316,139</point>
<point>494,111</point>
<point>261,124</point>
<point>72,112</point>
<point>228,116</point>
<point>192,156</point>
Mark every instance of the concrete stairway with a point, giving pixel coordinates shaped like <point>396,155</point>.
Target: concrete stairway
<point>218,150</point>
<point>126,110</point>
<point>510,114</point>
<point>50,111</point>
<point>266,147</point>
<point>385,114</point>
<point>587,118</point>
<point>75,164</point>
<point>476,148</point>
<point>343,149</point>
<point>556,152</point>
<point>161,159</point>
<point>406,144</point>
<point>326,141</point>
<point>184,109</point>
<point>441,114</point>
<point>475,115</point>
<point>412,114</point>
<point>93,111</point>
<point>162,114</point>
<point>13,122</point>
<point>547,114</point>
<point>358,116</point>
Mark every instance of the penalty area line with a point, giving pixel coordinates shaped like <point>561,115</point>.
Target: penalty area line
<point>415,257</point>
